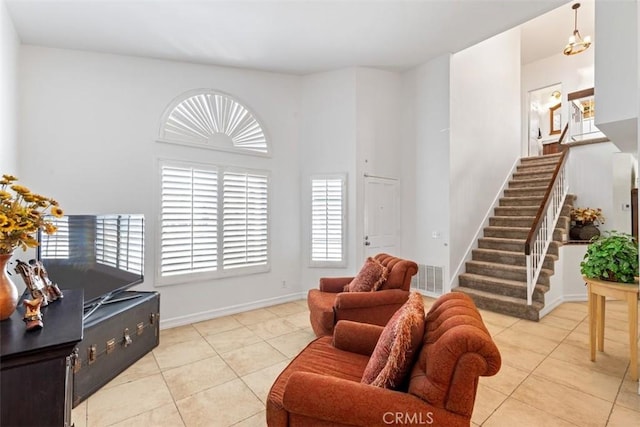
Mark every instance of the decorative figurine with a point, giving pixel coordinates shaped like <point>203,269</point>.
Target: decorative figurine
<point>32,315</point>
<point>33,281</point>
<point>52,289</point>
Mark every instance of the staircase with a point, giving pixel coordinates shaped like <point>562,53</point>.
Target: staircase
<point>495,278</point>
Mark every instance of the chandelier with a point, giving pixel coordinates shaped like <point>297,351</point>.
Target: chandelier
<point>576,43</point>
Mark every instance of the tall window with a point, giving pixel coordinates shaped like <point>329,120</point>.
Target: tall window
<point>214,221</point>
<point>328,220</point>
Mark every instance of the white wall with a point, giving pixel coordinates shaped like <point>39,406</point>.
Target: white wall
<point>9,48</point>
<point>600,176</point>
<point>616,63</point>
<point>485,132</point>
<point>328,145</point>
<point>426,89</point>
<point>88,124</point>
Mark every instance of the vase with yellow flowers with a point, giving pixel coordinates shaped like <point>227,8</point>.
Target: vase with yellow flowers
<point>22,214</point>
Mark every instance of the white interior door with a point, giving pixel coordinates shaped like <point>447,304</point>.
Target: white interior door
<point>381,215</point>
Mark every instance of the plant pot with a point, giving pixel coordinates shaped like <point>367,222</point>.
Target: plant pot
<point>584,231</point>
<point>8,290</point>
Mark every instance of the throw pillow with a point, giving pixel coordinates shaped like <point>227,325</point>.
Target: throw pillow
<point>394,353</point>
<point>370,277</point>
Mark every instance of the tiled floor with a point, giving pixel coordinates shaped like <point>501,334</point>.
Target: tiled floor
<point>218,373</point>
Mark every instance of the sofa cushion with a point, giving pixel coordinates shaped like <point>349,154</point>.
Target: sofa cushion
<point>370,277</point>
<point>320,357</point>
<point>394,353</point>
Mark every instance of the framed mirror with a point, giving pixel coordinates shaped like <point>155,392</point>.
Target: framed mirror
<point>555,120</point>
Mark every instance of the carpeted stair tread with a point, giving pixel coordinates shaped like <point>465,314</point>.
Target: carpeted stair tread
<point>532,159</point>
<point>499,286</point>
<point>510,253</point>
<point>505,271</point>
<point>528,182</point>
<point>509,257</point>
<point>510,244</point>
<point>521,201</point>
<point>525,191</point>
<point>532,174</point>
<point>507,211</point>
<point>537,167</point>
<point>516,307</point>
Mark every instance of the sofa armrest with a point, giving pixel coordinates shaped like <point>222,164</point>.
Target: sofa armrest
<point>339,401</point>
<point>351,300</point>
<point>334,284</point>
<point>356,337</point>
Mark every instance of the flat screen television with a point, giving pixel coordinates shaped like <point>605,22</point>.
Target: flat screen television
<point>102,254</point>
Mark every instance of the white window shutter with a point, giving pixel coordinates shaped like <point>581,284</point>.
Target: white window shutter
<point>245,220</point>
<point>327,220</point>
<point>188,220</point>
<point>56,246</point>
<point>119,242</point>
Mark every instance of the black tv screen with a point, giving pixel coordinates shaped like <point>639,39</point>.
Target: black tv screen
<point>102,254</point>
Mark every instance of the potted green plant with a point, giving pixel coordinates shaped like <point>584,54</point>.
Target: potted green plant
<point>612,256</point>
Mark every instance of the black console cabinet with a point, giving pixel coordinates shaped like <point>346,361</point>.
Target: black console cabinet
<point>36,367</point>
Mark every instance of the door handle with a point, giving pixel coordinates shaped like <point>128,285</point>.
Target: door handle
<point>367,243</point>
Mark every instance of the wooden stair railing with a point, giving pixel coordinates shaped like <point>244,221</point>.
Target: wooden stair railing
<point>541,232</point>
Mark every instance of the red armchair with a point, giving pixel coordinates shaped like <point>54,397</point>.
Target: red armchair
<point>321,386</point>
<point>329,304</point>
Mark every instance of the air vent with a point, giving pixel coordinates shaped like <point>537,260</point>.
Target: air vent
<point>430,279</point>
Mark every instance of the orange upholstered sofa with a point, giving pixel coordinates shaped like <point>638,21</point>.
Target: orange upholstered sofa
<point>322,385</point>
<point>329,304</point>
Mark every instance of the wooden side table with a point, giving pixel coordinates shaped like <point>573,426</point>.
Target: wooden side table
<point>597,291</point>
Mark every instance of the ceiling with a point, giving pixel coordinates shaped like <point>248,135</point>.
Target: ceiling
<point>294,36</point>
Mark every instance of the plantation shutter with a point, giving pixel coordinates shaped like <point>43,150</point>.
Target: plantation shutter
<point>119,242</point>
<point>327,215</point>
<point>56,246</point>
<point>245,220</point>
<point>189,220</point>
<point>107,240</point>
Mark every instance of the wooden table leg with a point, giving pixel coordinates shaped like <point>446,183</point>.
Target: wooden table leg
<point>601,310</point>
<point>592,322</point>
<point>633,334</point>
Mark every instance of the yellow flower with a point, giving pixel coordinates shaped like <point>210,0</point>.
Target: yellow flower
<point>57,212</point>
<point>49,228</point>
<point>8,225</point>
<point>20,189</point>
<point>22,214</point>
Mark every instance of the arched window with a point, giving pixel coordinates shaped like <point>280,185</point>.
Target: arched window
<point>210,119</point>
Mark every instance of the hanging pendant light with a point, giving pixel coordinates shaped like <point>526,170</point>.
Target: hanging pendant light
<point>576,43</point>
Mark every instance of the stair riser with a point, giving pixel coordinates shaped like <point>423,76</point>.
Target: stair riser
<point>540,160</point>
<point>518,211</point>
<point>511,222</point>
<point>495,271</point>
<point>500,289</point>
<point>517,183</point>
<point>512,246</point>
<point>510,201</point>
<point>526,312</point>
<point>514,258</point>
<point>549,168</point>
<point>532,175</point>
<point>525,192</point>
<point>519,234</point>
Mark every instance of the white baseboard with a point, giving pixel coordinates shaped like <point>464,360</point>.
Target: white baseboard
<point>559,300</point>
<point>226,311</point>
